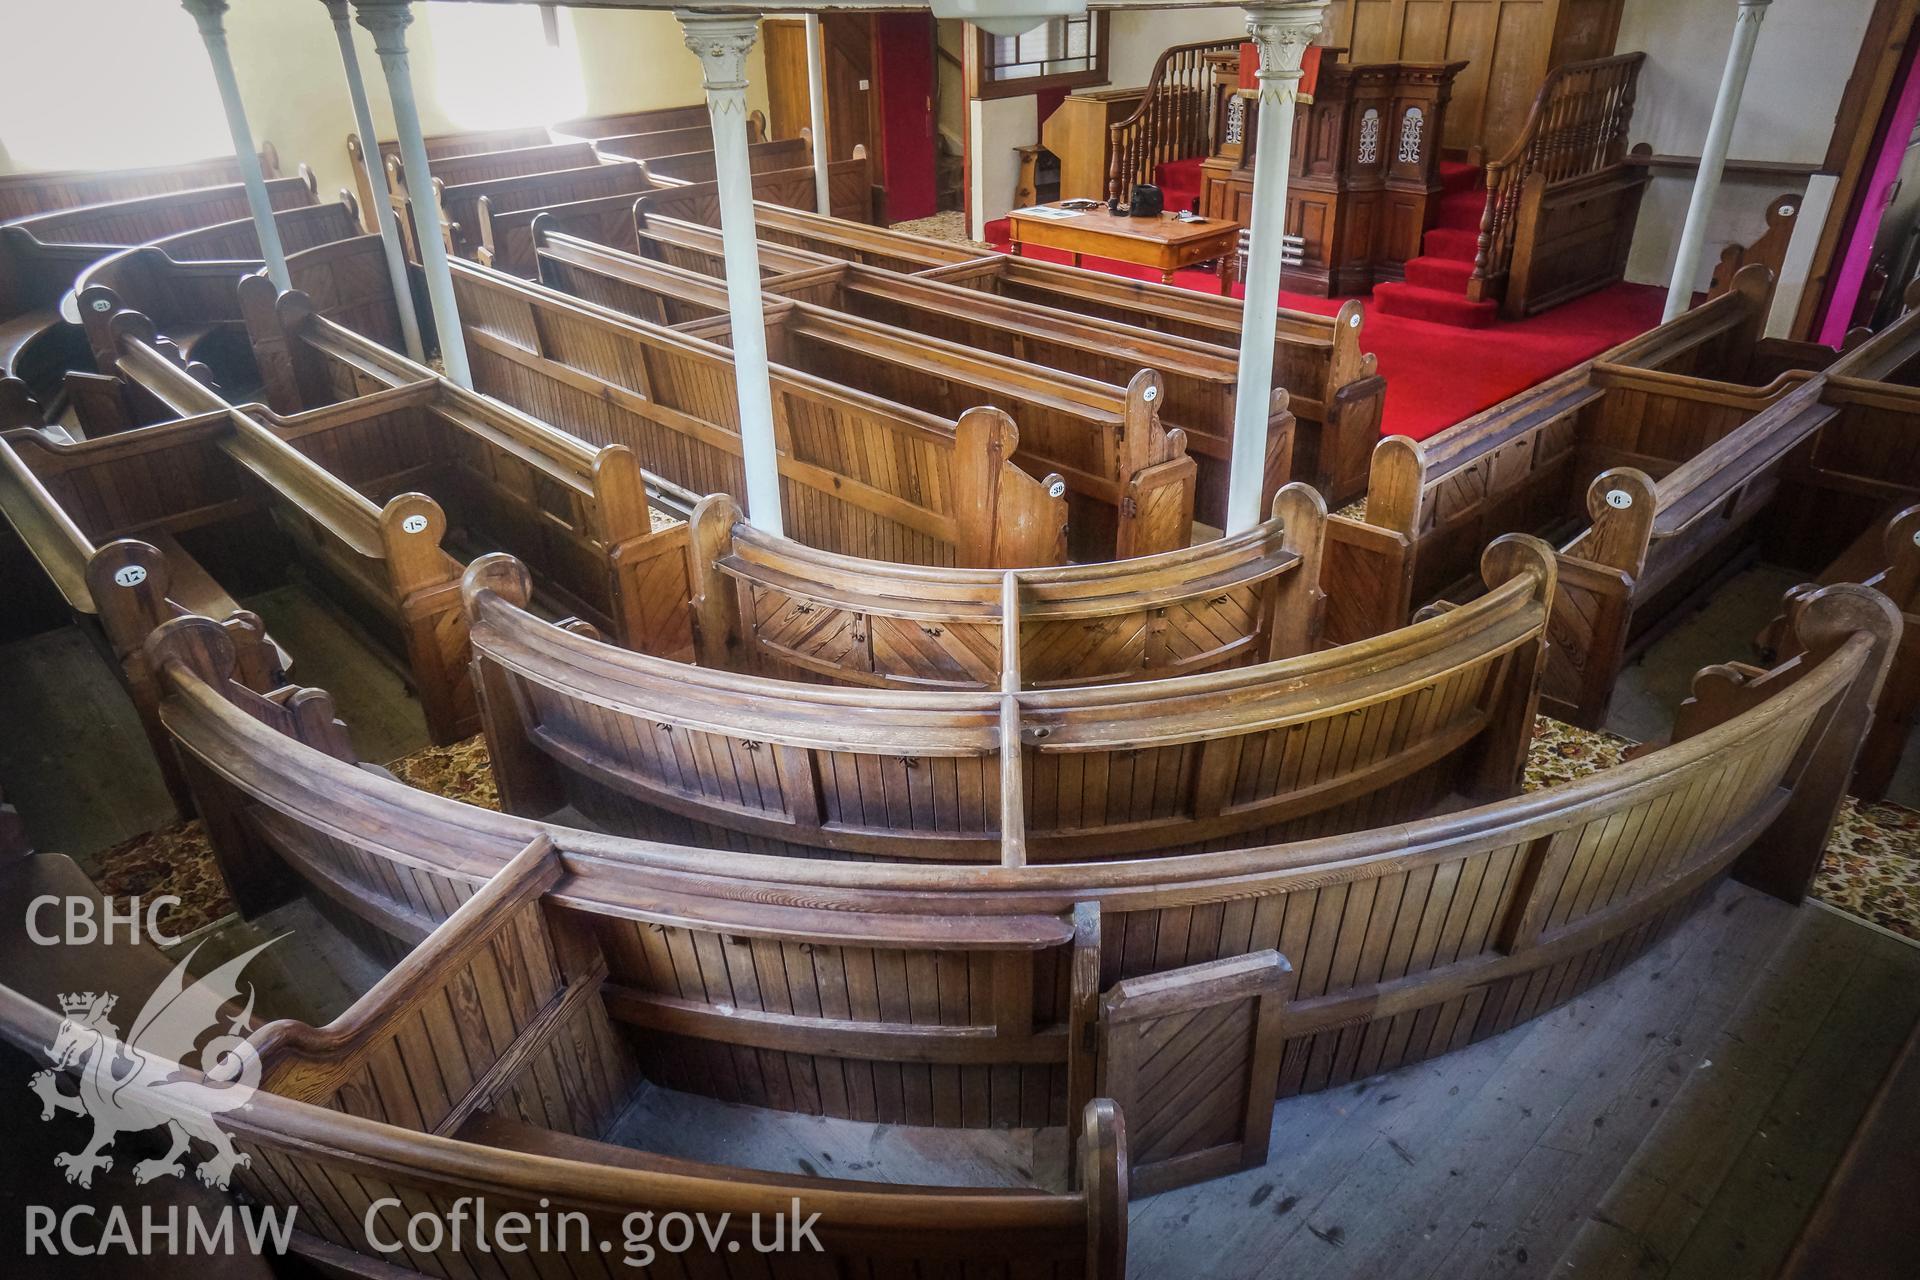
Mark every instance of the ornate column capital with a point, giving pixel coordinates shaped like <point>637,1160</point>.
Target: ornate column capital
<point>336,9</point>
<point>210,15</point>
<point>388,21</point>
<point>1282,32</point>
<point>721,41</point>
<point>1753,11</point>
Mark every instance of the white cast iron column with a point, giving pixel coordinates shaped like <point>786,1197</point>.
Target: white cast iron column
<point>1713,154</point>
<point>387,20</point>
<point>376,179</point>
<point>1282,33</point>
<point>210,15</point>
<point>721,42</point>
<point>817,112</point>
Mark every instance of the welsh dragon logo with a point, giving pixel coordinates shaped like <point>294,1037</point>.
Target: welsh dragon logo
<point>135,1084</point>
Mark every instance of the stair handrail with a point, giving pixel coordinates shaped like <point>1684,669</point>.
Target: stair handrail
<point>1576,126</point>
<point>1128,160</point>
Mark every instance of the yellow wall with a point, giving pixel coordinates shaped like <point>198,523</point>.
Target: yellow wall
<point>289,68</point>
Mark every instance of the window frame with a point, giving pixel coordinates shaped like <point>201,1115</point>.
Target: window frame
<point>980,85</point>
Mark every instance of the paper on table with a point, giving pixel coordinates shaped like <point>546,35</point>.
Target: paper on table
<point>1049,211</point>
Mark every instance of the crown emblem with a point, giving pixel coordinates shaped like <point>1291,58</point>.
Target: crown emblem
<point>82,1002</point>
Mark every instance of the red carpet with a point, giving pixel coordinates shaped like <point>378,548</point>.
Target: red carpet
<point>1436,284</point>
<point>1438,374</point>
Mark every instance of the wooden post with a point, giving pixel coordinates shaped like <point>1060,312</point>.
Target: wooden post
<point>530,783</point>
<point>1282,33</point>
<point>210,15</point>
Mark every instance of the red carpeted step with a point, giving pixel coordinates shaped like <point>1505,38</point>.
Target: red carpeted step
<point>1412,302</point>
<point>1449,275</point>
<point>1451,242</point>
<point>1456,175</point>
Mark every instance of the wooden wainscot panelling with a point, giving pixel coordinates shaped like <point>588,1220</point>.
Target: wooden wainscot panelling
<point>1191,1058</point>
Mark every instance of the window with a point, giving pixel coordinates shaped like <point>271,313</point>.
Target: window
<point>503,66</point>
<point>1061,53</point>
<point>108,84</point>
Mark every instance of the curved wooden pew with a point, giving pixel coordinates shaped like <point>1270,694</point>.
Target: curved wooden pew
<point>1405,941</point>
<point>1332,387</point>
<point>1129,481</point>
<point>914,489</point>
<point>49,249</point>
<point>25,194</point>
<point>1369,735</point>
<point>1886,558</point>
<point>650,120</point>
<point>188,284</point>
<point>326,1137</point>
<point>777,607</point>
<point>783,177</point>
<point>464,206</point>
<point>1198,382</point>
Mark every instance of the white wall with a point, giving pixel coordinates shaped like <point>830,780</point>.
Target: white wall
<point>1806,52</point>
<point>998,125</point>
<point>1136,39</point>
<point>290,76</point>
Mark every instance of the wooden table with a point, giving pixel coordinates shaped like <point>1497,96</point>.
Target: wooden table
<point>1164,242</point>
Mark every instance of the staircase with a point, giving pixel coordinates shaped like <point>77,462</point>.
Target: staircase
<point>1436,285</point>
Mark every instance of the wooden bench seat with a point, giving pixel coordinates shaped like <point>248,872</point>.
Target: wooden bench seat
<point>100,517</point>
<point>1404,941</point>
<point>438,146</point>
<point>1332,387</point>
<point>778,607</point>
<point>1325,742</point>
<point>1198,382</point>
<point>1129,481</point>
<point>49,249</point>
<point>504,209</point>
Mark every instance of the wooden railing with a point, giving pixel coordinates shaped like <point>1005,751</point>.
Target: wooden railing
<point>1172,120</point>
<point>1578,126</point>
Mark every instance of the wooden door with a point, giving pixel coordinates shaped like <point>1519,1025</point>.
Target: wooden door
<point>787,106</point>
<point>848,38</point>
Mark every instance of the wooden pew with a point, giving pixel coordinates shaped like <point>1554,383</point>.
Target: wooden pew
<point>772,606</point>
<point>577,511</point>
<point>1373,734</point>
<point>383,559</point>
<point>651,120</point>
<point>1333,391</point>
<point>25,194</point>
<point>457,183</point>
<point>1405,942</point>
<point>1198,382</point>
<point>1130,481</point>
<point>984,510</point>
<point>504,210</point>
<point>860,475</point>
<point>335,1134</point>
<point>850,186</point>
<point>1528,464</point>
<point>762,157</point>
<point>439,146</point>
<point>188,284</point>
<point>49,249</point>
<point>100,517</point>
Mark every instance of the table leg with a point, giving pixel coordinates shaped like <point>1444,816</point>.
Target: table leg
<point>1166,277</point>
<point>1226,274</point>
<point>1016,248</point>
<point>1076,260</point>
